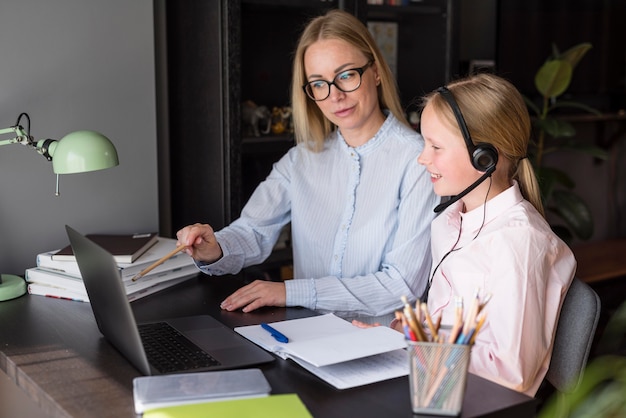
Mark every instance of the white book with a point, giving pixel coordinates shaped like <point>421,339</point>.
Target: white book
<point>67,294</point>
<point>159,277</point>
<point>127,270</point>
<point>56,292</point>
<point>335,350</point>
<point>362,371</point>
<point>55,279</point>
<point>49,283</point>
<point>157,287</point>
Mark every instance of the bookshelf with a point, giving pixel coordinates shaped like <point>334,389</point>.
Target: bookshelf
<point>222,54</point>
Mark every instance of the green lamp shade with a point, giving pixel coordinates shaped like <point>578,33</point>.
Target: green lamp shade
<point>83,151</point>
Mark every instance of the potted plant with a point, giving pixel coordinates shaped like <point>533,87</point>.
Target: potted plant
<point>554,134</point>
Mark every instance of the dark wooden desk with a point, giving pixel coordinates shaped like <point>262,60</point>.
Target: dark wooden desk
<point>53,350</point>
<point>602,260</point>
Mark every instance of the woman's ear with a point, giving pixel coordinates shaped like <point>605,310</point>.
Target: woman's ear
<point>376,74</point>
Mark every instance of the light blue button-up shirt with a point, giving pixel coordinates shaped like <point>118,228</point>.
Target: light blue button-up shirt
<point>360,223</point>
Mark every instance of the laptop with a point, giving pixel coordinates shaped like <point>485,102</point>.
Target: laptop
<point>210,344</point>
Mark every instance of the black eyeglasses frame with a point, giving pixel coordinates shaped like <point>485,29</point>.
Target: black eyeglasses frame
<point>359,70</point>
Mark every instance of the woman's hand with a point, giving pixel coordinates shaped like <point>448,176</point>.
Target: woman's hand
<point>255,295</point>
<point>360,324</point>
<point>200,242</point>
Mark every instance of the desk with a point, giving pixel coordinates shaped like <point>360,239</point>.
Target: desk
<point>602,260</point>
<point>53,350</point>
<point>14,402</point>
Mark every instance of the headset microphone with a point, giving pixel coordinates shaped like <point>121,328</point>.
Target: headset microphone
<point>483,156</point>
<point>482,178</point>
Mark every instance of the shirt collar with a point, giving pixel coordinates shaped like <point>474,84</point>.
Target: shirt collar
<point>375,141</point>
<point>483,214</point>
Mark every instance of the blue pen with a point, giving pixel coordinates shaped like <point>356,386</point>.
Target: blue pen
<point>281,338</point>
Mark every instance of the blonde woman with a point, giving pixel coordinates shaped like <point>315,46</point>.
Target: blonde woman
<point>360,206</point>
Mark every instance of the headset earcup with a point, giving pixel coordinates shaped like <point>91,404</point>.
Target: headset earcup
<point>484,157</point>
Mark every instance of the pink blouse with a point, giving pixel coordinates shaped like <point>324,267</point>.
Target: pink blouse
<point>508,250</point>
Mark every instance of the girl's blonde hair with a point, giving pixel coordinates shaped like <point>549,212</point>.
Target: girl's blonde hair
<point>310,125</point>
<point>495,113</point>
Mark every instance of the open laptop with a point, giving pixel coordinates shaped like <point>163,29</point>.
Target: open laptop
<point>212,345</point>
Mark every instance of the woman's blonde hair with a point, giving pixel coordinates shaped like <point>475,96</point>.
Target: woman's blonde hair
<point>310,125</point>
<point>495,113</point>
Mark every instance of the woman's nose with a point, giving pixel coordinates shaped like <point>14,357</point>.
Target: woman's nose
<point>335,93</point>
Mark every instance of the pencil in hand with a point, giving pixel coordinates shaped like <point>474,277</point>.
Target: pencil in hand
<point>159,262</point>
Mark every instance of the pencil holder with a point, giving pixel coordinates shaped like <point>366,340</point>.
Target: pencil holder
<point>437,377</point>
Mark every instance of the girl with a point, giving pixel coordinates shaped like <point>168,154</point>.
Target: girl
<point>493,236</point>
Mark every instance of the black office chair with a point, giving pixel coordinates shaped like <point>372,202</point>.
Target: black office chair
<point>574,336</point>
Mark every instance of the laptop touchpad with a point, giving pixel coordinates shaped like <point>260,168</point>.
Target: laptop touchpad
<point>207,332</point>
<point>215,338</point>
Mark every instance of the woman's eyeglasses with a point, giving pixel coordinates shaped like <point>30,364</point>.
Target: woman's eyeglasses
<point>346,81</point>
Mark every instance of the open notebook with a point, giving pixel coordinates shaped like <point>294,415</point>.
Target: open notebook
<point>335,350</point>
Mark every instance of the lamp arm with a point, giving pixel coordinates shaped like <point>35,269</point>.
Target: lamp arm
<point>21,136</point>
<point>43,147</point>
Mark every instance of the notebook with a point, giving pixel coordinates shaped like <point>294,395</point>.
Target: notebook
<point>211,344</point>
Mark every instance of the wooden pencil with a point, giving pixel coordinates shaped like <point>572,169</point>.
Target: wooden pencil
<point>158,262</point>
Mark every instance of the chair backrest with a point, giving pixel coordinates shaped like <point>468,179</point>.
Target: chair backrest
<point>574,336</point>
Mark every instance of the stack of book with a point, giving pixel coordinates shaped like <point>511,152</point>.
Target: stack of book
<point>57,273</point>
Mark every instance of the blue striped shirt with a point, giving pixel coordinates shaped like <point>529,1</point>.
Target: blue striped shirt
<point>360,223</point>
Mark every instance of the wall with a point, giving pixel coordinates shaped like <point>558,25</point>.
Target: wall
<point>477,30</point>
<point>501,30</point>
<point>599,183</point>
<point>598,81</point>
<point>76,64</point>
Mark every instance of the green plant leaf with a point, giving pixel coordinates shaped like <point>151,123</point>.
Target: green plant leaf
<point>552,176</point>
<point>557,128</point>
<point>532,105</point>
<point>555,52</point>
<point>613,334</point>
<point>553,78</point>
<point>557,134</point>
<point>546,183</point>
<point>591,150</point>
<point>600,394</point>
<point>574,212</point>
<point>575,53</point>
<point>577,105</point>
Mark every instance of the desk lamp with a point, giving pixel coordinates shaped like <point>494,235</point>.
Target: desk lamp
<point>77,152</point>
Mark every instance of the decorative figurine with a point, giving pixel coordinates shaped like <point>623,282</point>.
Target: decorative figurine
<point>253,117</point>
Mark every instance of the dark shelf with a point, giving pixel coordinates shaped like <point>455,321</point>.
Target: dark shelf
<point>395,13</point>
<point>292,3</point>
<point>266,139</point>
<point>273,268</point>
<point>274,144</point>
<point>281,256</point>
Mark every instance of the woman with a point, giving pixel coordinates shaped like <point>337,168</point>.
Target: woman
<point>359,205</point>
<point>494,238</point>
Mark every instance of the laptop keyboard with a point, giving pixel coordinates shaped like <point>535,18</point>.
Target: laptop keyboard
<point>170,351</point>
